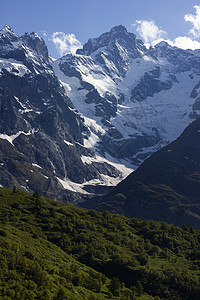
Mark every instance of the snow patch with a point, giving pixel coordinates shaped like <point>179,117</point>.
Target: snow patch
<point>68,143</point>
<point>11,138</point>
<point>137,70</point>
<point>36,165</point>
<point>124,167</point>
<point>104,180</point>
<point>71,186</point>
<point>14,66</point>
<point>25,109</point>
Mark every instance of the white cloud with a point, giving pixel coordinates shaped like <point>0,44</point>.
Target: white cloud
<point>152,35</point>
<point>195,20</point>
<point>149,31</point>
<point>65,43</point>
<point>184,42</point>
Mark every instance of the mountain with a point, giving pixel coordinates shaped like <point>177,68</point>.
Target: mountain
<point>41,134</point>
<point>80,124</point>
<point>141,98</point>
<point>166,187</point>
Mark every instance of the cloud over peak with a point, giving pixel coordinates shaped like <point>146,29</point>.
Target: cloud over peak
<point>152,34</point>
<point>65,43</point>
<point>149,31</point>
<point>185,43</point>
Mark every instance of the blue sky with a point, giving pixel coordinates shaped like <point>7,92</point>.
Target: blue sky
<point>90,18</point>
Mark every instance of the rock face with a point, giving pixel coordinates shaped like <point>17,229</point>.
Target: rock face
<point>166,186</point>
<point>86,120</point>
<point>41,134</point>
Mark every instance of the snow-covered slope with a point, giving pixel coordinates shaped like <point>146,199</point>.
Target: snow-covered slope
<point>133,100</point>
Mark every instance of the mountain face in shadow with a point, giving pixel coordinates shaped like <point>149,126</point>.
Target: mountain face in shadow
<point>166,187</point>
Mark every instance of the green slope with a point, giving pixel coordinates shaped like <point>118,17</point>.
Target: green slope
<point>49,250</point>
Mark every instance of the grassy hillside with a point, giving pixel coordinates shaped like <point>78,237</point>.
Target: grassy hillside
<point>49,250</point>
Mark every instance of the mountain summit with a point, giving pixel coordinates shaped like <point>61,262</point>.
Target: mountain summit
<point>114,49</point>
<point>7,31</point>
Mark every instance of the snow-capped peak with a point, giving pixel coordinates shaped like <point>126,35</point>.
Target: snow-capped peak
<point>36,43</point>
<point>117,34</point>
<point>6,29</point>
<point>7,32</point>
<point>30,50</point>
<point>162,44</point>
<point>118,28</point>
<point>34,35</point>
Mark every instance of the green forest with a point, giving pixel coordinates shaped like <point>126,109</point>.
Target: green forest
<point>50,250</point>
